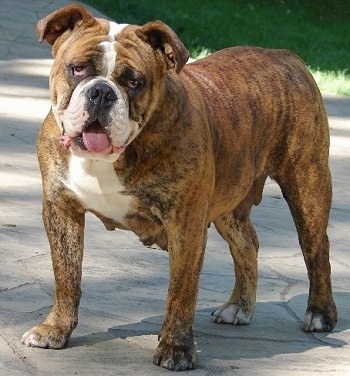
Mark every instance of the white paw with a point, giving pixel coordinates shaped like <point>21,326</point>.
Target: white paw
<point>313,323</point>
<point>45,336</point>
<point>30,338</point>
<point>231,314</point>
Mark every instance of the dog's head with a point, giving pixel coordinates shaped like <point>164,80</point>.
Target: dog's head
<point>107,78</point>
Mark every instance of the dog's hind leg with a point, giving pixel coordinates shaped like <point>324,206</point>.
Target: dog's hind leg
<point>306,185</point>
<point>237,229</point>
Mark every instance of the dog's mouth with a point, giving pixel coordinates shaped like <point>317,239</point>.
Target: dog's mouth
<point>93,139</point>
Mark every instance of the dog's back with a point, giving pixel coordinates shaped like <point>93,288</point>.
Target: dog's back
<point>263,103</point>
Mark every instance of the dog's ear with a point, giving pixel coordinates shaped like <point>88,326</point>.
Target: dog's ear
<point>161,37</point>
<point>56,23</point>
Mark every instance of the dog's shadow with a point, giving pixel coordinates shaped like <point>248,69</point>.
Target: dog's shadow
<point>275,329</point>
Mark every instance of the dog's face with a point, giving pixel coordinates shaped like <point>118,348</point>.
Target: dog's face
<point>107,78</point>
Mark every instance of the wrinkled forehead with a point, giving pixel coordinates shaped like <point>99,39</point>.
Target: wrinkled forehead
<point>107,34</point>
<point>123,47</point>
<point>96,44</point>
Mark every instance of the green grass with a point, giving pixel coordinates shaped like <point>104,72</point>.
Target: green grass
<point>318,31</point>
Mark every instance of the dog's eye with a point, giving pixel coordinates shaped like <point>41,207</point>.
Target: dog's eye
<point>134,84</point>
<point>78,70</point>
<point>131,79</point>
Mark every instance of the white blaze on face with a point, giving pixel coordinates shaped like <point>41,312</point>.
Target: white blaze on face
<point>115,28</point>
<point>109,59</point>
<point>109,56</point>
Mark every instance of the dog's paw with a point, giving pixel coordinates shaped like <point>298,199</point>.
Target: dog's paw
<point>175,358</point>
<point>320,322</point>
<point>232,314</point>
<point>45,336</point>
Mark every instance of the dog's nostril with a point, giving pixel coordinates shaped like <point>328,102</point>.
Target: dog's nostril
<point>111,96</point>
<point>95,94</point>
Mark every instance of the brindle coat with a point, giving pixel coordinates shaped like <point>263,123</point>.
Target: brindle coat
<point>212,132</point>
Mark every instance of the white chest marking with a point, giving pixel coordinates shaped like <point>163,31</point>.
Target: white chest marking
<point>98,188</point>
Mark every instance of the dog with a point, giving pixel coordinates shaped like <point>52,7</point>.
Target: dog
<point>151,144</point>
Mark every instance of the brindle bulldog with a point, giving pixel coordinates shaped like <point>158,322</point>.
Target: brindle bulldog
<point>163,149</point>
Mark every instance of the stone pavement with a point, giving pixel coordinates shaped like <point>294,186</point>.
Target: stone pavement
<point>124,284</point>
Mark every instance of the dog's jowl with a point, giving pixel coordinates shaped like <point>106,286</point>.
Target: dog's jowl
<point>151,144</point>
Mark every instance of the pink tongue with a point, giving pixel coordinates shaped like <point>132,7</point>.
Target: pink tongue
<point>95,139</point>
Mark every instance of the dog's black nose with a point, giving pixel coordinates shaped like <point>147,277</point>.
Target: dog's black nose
<point>102,94</point>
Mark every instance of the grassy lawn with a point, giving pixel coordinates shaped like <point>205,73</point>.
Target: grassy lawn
<point>318,31</point>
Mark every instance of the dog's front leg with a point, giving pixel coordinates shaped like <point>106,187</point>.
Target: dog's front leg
<point>176,349</point>
<point>65,230</point>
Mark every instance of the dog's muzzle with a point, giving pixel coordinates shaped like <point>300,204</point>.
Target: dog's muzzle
<point>96,119</point>
<point>101,97</point>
